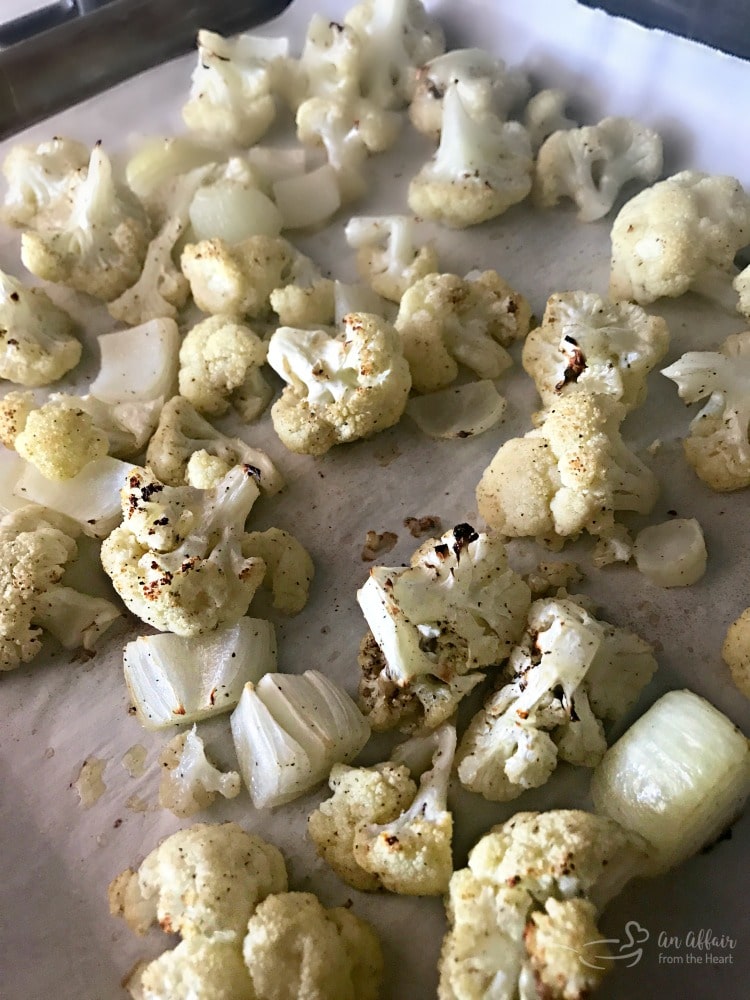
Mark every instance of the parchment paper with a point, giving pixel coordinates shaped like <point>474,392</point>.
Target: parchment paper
<point>56,936</point>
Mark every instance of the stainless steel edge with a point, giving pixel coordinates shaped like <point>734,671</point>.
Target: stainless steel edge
<point>68,63</point>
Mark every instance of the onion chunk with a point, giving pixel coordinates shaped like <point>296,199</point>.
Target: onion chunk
<point>678,777</point>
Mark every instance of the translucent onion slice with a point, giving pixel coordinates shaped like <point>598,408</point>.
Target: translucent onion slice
<point>173,680</point>
<point>359,299</point>
<point>307,200</point>
<point>277,164</point>
<point>232,212</point>
<point>159,160</point>
<point>92,498</point>
<point>672,554</point>
<point>678,777</point>
<point>460,412</point>
<point>290,730</point>
<point>139,363</point>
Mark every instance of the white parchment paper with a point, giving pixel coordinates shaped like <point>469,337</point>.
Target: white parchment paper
<point>56,936</point>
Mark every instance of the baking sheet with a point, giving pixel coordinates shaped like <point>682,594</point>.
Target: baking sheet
<point>56,936</point>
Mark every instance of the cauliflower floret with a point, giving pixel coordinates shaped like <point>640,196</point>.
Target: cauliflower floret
<point>444,320</point>
<point>295,948</point>
<point>556,941</point>
<point>176,561</point>
<point>236,280</point>
<point>37,345</point>
<point>569,475</point>
<point>125,426</point>
<point>330,64</point>
<point>458,607</point>
<point>162,290</point>
<point>545,114</point>
<point>60,441</point>
<point>718,446</point>
<point>388,259</point>
<point>741,285</point>
<point>589,165</point>
<point>220,366</point>
<point>481,168</point>
<point>565,661</point>
<point>202,882</point>
<point>455,611</point>
<point>35,545</point>
<point>361,795</point>
<point>484,85</point>
<point>307,299</point>
<point>397,37</point>
<point>426,703</point>
<point>524,901</point>
<point>183,436</point>
<point>340,388</point>
<point>231,97</point>
<point>349,129</point>
<point>411,854</point>
<point>289,568</point>
<point>15,408</point>
<point>201,968</point>
<point>95,239</point>
<point>735,651</point>
<point>587,344</point>
<point>681,234</point>
<point>189,781</point>
<point>38,176</point>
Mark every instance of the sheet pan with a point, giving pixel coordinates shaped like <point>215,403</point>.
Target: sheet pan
<point>56,936</point>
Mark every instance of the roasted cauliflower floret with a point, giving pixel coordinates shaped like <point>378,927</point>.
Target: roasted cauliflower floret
<point>735,651</point>
<point>545,114</point>
<point>39,175</point>
<point>485,86</point>
<point>443,320</point>
<point>340,388</point>
<point>572,474</point>
<point>289,568</point>
<point>220,366</point>
<point>411,853</point>
<point>37,343</point>
<point>481,168</point>
<point>35,547</point>
<point>361,795</point>
<point>189,781</point>
<point>236,280</point>
<point>307,299</point>
<point>387,257</point>
<point>681,234</point>
<point>349,129</point>
<point>296,948</point>
<point>589,165</point>
<point>718,446</point>
<point>95,239</point>
<point>184,444</point>
<point>231,97</point>
<point>176,561</point>
<point>438,623</point>
<point>569,672</point>
<point>199,967</point>
<point>533,889</point>
<point>201,882</point>
<point>398,36</point>
<point>60,441</point>
<point>588,345</point>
